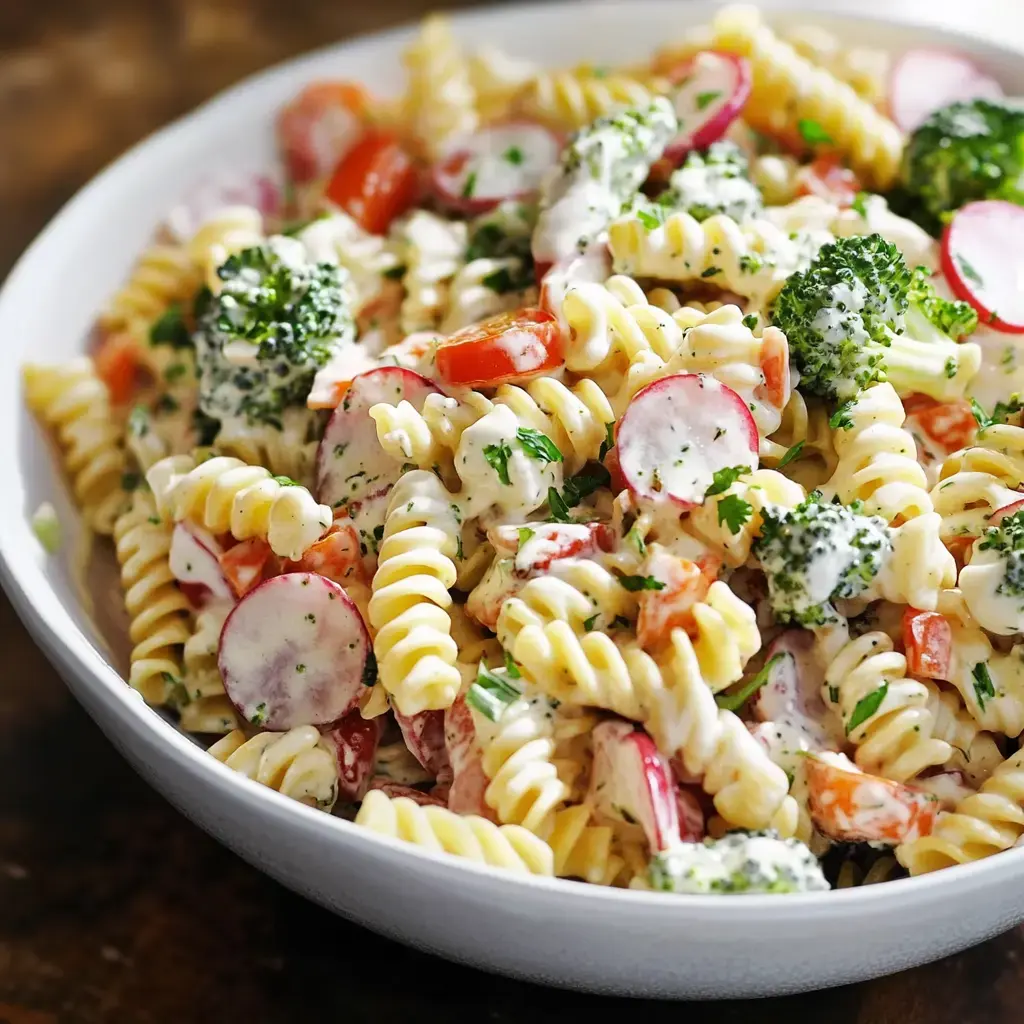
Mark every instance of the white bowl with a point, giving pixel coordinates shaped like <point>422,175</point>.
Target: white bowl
<point>558,932</point>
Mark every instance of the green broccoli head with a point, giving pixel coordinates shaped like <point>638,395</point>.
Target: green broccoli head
<point>963,152</point>
<point>739,862</point>
<point>1006,540</point>
<point>846,319</point>
<point>275,321</point>
<point>817,553</point>
<point>950,316</point>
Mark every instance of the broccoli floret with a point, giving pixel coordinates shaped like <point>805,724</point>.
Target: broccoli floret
<point>950,317</point>
<point>275,321</point>
<point>817,553</point>
<point>846,318</point>
<point>740,862</point>
<point>966,151</point>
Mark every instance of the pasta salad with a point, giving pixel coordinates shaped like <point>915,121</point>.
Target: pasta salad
<point>614,473</point>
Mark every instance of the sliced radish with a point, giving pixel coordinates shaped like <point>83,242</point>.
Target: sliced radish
<point>924,80</point>
<point>468,779</point>
<point>1007,510</point>
<point>983,261</point>
<point>505,161</point>
<point>678,432</point>
<point>295,651</point>
<point>424,736</point>
<point>354,475</point>
<point>209,195</point>
<point>194,561</point>
<point>851,806</point>
<point>632,782</point>
<point>713,89</point>
<point>691,814</point>
<point>355,740</point>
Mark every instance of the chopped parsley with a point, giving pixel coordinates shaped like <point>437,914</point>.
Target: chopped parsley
<point>609,441</point>
<point>470,185</point>
<point>792,455</point>
<point>866,707</point>
<point>968,271</point>
<point>511,667</point>
<point>497,456</point>
<point>171,329</point>
<point>735,701</point>
<point>734,512</point>
<point>525,533</point>
<point>813,133</point>
<point>514,156</point>
<point>859,204</point>
<point>983,688</point>
<point>637,583</point>
<point>724,478</point>
<point>842,419</point>
<point>705,99</point>
<point>537,445</point>
<point>559,510</point>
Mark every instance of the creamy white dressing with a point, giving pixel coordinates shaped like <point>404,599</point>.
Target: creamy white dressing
<point>503,161</point>
<point>599,170</point>
<point>492,439</point>
<point>1001,375</point>
<point>980,582</point>
<point>525,350</point>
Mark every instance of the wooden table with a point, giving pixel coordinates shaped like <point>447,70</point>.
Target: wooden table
<point>113,907</point>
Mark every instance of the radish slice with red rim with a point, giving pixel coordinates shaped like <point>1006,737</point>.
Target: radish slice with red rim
<point>194,560</point>
<point>295,651</point>
<point>353,474</point>
<point>424,736</point>
<point>354,740</point>
<point>633,783</point>
<point>712,91</point>
<point>678,432</point>
<point>506,161</point>
<point>925,80</point>
<point>469,782</point>
<point>394,790</point>
<point>206,198</point>
<point>983,261</point>
<point>1007,510</point>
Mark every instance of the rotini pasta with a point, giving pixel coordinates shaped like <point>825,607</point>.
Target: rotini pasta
<point>885,714</point>
<point>570,99</point>
<point>509,847</point>
<point>164,274</point>
<point>75,404</point>
<point>788,87</point>
<point>295,763</point>
<point>415,652</point>
<point>224,495</point>
<point>983,823</point>
<point>208,709</point>
<point>161,618</point>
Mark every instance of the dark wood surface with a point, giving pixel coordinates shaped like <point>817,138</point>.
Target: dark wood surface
<point>112,906</point>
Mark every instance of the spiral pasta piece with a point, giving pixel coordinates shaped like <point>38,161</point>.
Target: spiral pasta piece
<point>788,88</point>
<point>566,100</point>
<point>752,259</point>
<point>75,404</point>
<point>807,425</point>
<point>434,250</point>
<point>919,567</point>
<point>509,847</point>
<point>163,275</point>
<point>975,752</point>
<point>865,70</point>
<point>228,231</point>
<point>973,484</point>
<point>161,617</point>
<point>762,488</point>
<point>415,652</point>
<point>208,709</point>
<point>524,785</point>
<point>581,593</point>
<point>439,102</point>
<point>878,459</point>
<point>497,79</point>
<point>984,823</point>
<point>224,495</point>
<point>749,790</point>
<point>295,763</point>
<point>885,714</point>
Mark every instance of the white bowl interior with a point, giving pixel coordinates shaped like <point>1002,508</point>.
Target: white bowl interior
<point>52,297</point>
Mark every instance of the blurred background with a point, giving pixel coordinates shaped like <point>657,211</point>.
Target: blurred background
<point>112,906</point>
